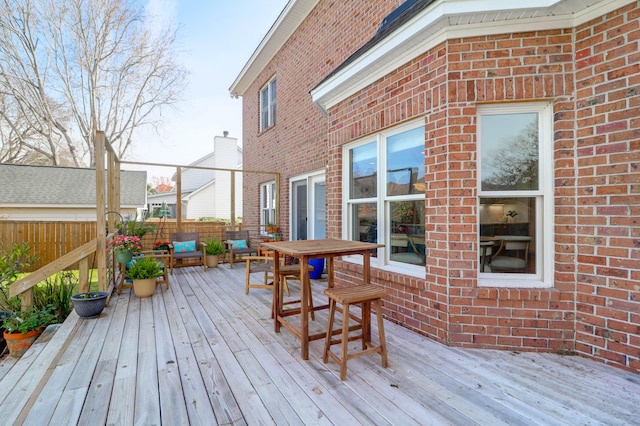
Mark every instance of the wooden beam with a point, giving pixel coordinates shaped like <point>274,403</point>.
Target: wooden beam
<point>101,243</point>
<point>232,207</point>
<point>178,199</point>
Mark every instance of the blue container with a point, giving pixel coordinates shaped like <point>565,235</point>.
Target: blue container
<point>318,267</point>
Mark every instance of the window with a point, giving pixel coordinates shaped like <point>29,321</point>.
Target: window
<point>515,198</point>
<point>268,105</point>
<point>267,203</point>
<point>385,194</point>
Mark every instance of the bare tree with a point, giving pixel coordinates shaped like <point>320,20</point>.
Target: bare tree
<point>78,66</point>
<point>516,165</point>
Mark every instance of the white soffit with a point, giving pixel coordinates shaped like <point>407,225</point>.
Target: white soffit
<point>293,14</point>
<point>448,19</point>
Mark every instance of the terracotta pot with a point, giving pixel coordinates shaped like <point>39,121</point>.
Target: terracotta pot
<point>19,343</point>
<point>144,288</point>
<point>212,260</point>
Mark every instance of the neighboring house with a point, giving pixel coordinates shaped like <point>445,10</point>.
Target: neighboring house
<point>492,147</point>
<point>206,193</point>
<point>47,193</point>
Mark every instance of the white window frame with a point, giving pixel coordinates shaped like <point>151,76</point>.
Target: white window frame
<point>382,200</point>
<point>318,176</point>
<point>544,218</point>
<point>267,204</point>
<point>268,114</point>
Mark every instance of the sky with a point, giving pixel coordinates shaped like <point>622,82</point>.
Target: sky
<point>217,38</point>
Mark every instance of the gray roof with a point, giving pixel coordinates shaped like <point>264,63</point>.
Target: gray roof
<point>27,185</point>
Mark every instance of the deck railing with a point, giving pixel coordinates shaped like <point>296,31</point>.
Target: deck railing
<point>81,256</point>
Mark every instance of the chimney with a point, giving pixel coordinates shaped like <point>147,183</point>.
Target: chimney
<point>225,133</point>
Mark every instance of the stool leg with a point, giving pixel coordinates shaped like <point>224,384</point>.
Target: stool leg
<point>327,340</point>
<point>383,342</point>
<point>366,323</point>
<point>345,341</point>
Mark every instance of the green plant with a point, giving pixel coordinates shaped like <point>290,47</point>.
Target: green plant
<point>56,291</point>
<point>14,260</point>
<point>145,268</point>
<point>89,295</point>
<point>134,227</point>
<point>29,320</point>
<point>214,247</point>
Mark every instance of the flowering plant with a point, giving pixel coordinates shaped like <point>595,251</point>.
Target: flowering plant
<point>161,245</point>
<point>125,242</point>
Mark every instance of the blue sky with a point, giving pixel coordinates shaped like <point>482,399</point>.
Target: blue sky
<point>217,38</point>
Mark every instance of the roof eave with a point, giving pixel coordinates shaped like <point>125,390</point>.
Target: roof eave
<point>432,27</point>
<point>294,13</point>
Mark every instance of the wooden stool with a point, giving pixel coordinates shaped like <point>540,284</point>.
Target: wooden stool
<point>363,294</point>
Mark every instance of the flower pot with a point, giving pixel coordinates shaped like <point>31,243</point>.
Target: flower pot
<point>90,307</point>
<point>318,267</point>
<point>212,260</point>
<point>19,343</point>
<point>124,256</point>
<point>144,288</point>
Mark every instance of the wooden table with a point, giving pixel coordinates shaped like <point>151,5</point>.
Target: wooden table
<point>305,250</point>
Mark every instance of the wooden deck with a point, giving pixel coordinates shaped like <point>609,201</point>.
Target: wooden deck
<point>204,353</point>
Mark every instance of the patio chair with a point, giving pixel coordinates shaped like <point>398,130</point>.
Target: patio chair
<point>238,243</point>
<point>512,256</point>
<point>186,247</point>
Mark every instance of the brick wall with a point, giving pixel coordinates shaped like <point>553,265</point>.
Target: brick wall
<point>590,75</point>
<point>607,188</point>
<point>595,153</point>
<point>297,144</point>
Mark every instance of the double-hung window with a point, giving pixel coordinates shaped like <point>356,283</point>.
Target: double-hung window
<point>267,204</point>
<point>384,194</point>
<point>268,105</point>
<point>515,194</point>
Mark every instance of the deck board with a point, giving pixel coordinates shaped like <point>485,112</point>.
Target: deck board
<point>202,352</point>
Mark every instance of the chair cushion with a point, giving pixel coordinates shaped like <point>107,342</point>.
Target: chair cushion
<point>184,246</point>
<point>239,244</point>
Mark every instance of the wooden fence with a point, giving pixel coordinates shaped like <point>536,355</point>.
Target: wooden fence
<point>51,240</point>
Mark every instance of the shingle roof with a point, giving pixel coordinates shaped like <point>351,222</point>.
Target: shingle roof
<point>28,185</point>
<point>394,20</point>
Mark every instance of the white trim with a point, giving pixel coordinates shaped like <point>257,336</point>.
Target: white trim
<point>434,26</point>
<point>309,179</point>
<point>293,14</point>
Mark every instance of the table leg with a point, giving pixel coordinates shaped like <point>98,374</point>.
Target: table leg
<point>366,265</point>
<point>275,304</point>
<point>305,285</point>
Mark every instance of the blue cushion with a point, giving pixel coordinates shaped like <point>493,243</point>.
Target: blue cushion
<point>184,246</point>
<point>239,244</point>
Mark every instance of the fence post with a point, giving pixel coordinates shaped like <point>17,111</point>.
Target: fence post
<point>26,299</point>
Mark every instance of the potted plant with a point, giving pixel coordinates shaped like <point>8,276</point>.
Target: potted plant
<point>23,328</point>
<point>214,249</point>
<point>134,227</point>
<point>271,228</point>
<point>125,246</point>
<point>161,245</point>
<point>89,304</point>
<point>144,272</point>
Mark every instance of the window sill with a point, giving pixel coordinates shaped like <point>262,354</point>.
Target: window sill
<point>512,283</point>
<point>410,270</point>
